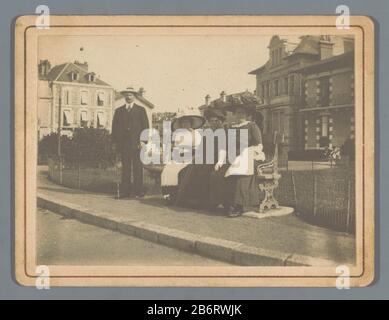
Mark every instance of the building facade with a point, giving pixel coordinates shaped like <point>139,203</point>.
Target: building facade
<point>328,109</point>
<point>306,91</point>
<point>83,98</point>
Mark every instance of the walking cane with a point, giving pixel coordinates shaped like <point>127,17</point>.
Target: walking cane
<point>117,169</point>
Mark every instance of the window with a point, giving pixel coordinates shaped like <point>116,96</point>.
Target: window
<point>101,120</point>
<point>84,118</point>
<point>100,99</point>
<point>291,84</point>
<point>286,85</point>
<point>66,97</point>
<point>84,97</point>
<point>324,139</point>
<point>276,88</point>
<point>282,122</point>
<point>74,75</point>
<point>91,77</point>
<point>276,56</point>
<point>263,91</point>
<point>324,91</point>
<point>66,118</point>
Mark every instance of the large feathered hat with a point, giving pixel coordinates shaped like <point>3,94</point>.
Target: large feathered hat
<point>214,112</point>
<point>196,120</point>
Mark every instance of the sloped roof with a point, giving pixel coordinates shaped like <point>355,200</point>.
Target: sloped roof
<point>345,59</point>
<point>260,68</point>
<point>245,97</point>
<point>308,45</point>
<point>63,72</point>
<point>294,45</point>
<point>55,71</point>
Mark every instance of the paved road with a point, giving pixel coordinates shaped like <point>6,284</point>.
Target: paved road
<point>70,242</point>
<point>285,234</point>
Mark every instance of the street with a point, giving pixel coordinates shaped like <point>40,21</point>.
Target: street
<point>70,242</point>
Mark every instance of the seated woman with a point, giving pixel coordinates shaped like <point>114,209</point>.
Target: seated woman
<point>242,190</point>
<point>184,144</point>
<point>201,186</point>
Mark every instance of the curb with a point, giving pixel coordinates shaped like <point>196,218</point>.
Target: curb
<point>229,251</point>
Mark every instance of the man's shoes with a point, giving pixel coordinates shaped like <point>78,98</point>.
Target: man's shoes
<point>126,196</point>
<point>140,195</point>
<point>235,212</point>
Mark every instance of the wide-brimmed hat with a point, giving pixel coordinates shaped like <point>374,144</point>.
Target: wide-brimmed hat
<point>196,121</point>
<point>214,112</point>
<point>128,90</point>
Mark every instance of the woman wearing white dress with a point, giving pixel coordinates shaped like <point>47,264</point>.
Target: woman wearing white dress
<point>242,190</point>
<point>185,141</point>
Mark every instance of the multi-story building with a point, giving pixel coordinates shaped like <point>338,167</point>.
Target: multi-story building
<point>306,91</point>
<point>83,98</point>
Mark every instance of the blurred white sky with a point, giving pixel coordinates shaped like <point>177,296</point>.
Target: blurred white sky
<point>176,71</point>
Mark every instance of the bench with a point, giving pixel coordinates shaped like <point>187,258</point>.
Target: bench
<point>268,176</point>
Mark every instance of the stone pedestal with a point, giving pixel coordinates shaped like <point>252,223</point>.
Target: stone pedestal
<point>268,183</point>
<point>280,211</point>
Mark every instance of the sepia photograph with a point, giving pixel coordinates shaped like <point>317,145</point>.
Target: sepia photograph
<point>194,151</point>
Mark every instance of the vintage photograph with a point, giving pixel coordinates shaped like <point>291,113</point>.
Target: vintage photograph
<point>176,151</point>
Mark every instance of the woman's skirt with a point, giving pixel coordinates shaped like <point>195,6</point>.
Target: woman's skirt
<point>242,191</point>
<point>218,187</point>
<point>193,188</point>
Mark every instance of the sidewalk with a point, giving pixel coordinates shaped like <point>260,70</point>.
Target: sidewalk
<point>284,240</point>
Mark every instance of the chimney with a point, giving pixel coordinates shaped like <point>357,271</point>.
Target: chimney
<point>325,47</point>
<point>223,96</point>
<point>141,91</point>
<point>207,99</point>
<point>82,65</point>
<point>43,68</point>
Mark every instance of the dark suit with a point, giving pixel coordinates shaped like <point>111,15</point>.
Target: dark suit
<point>127,126</point>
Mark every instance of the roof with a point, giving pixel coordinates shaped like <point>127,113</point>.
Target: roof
<point>63,72</point>
<point>289,42</point>
<point>55,71</point>
<point>259,69</point>
<point>138,96</point>
<point>303,45</point>
<point>308,45</point>
<point>245,97</point>
<point>344,59</point>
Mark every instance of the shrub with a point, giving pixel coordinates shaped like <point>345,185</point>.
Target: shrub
<point>48,147</point>
<point>88,147</point>
<point>92,147</point>
<point>348,149</point>
<point>307,155</point>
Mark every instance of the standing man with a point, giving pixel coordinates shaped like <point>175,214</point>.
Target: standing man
<point>128,123</point>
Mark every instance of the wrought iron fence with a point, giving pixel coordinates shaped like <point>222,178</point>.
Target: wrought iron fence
<point>322,197</point>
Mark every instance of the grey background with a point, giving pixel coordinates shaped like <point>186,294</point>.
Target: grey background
<point>377,9</point>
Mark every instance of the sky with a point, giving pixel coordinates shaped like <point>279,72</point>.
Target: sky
<point>176,71</point>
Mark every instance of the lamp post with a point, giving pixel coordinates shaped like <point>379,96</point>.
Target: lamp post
<point>59,134</point>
